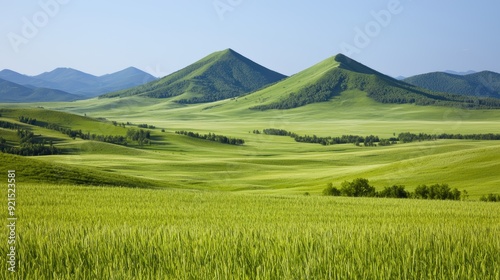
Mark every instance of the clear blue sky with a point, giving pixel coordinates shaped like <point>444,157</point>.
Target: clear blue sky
<point>160,37</point>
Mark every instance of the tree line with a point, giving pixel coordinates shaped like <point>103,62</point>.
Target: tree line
<point>373,140</point>
<point>27,120</point>
<point>9,125</point>
<point>408,137</point>
<point>361,187</point>
<point>213,137</point>
<point>144,125</point>
<point>344,139</point>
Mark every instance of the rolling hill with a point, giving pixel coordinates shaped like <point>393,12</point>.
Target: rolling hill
<point>79,83</point>
<point>481,84</point>
<point>12,92</point>
<point>221,75</point>
<point>38,171</point>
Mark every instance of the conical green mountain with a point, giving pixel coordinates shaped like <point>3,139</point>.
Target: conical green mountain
<point>337,74</point>
<point>221,75</point>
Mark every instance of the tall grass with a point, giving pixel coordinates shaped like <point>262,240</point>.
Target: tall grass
<point>68,232</point>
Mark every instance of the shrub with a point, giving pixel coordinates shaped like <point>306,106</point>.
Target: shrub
<point>394,191</point>
<point>437,191</point>
<point>331,190</point>
<point>357,188</point>
<point>491,198</point>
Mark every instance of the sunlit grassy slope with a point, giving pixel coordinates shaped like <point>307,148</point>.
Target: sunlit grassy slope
<point>31,170</point>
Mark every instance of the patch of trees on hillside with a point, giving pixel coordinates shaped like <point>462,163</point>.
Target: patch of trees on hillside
<point>27,120</point>
<point>9,125</point>
<point>140,136</point>
<point>30,145</point>
<point>213,137</point>
<point>145,125</point>
<point>361,187</point>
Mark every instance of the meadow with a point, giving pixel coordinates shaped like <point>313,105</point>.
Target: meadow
<point>188,208</point>
<point>71,232</point>
<point>279,164</point>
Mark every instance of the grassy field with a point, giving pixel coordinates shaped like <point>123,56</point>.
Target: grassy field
<point>186,208</point>
<point>70,232</point>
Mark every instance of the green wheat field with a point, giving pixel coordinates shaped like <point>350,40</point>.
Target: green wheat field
<point>70,232</point>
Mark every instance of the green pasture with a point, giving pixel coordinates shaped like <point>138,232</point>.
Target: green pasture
<point>278,164</point>
<point>71,232</point>
<point>186,208</point>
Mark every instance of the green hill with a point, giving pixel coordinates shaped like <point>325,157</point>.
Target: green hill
<point>221,75</point>
<point>337,74</point>
<point>482,84</point>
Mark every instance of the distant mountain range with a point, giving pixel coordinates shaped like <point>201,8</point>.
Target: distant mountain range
<point>480,84</point>
<point>69,84</point>
<point>220,75</point>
